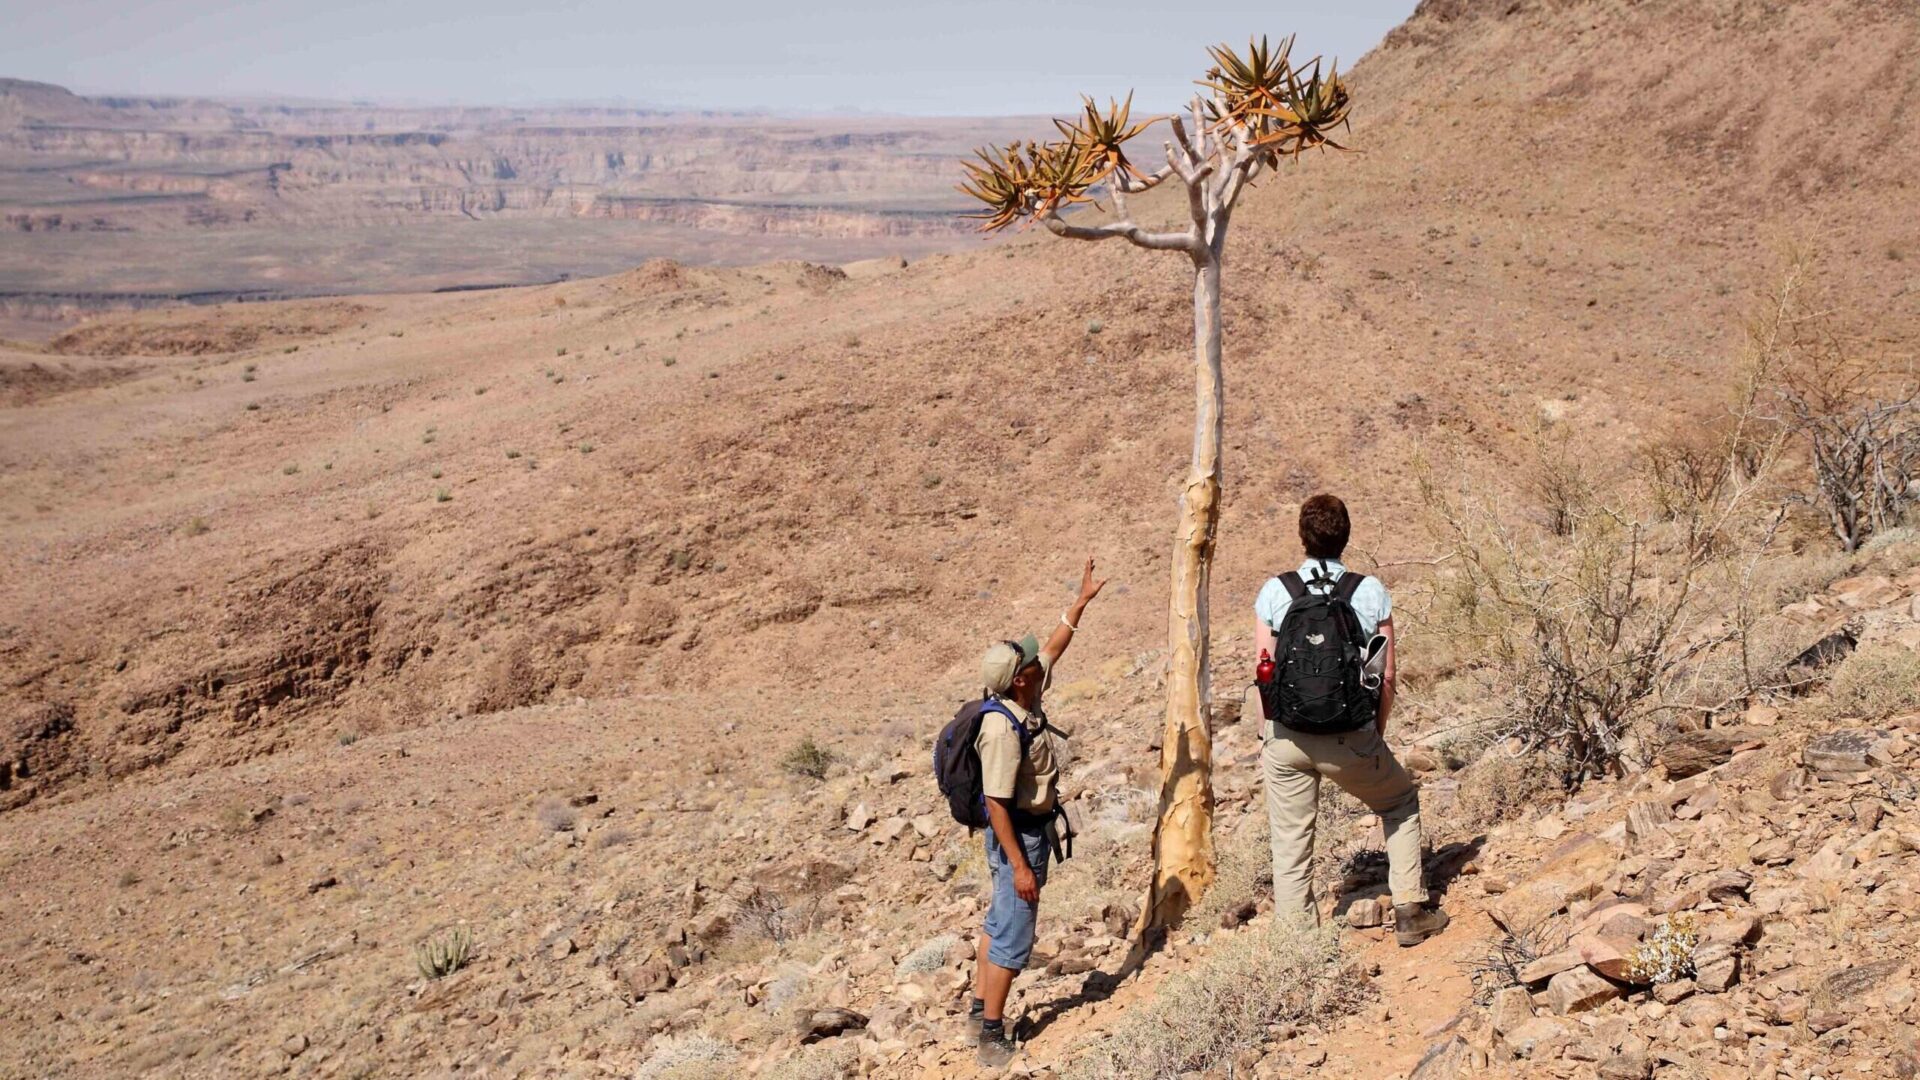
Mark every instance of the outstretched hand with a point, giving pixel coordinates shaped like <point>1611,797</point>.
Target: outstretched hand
<point>1089,585</point>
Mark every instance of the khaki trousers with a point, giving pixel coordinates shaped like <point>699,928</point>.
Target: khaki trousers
<point>1360,762</point>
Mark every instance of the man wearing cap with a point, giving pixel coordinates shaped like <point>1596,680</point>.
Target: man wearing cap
<point>1020,775</point>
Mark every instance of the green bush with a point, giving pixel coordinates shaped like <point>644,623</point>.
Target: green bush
<point>809,759</point>
<point>440,958</point>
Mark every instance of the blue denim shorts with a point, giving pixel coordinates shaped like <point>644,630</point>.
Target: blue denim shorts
<point>1010,920</point>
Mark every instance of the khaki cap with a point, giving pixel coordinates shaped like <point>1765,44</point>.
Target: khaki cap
<point>1003,661</point>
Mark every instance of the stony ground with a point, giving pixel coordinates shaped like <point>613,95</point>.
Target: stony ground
<point>642,883</point>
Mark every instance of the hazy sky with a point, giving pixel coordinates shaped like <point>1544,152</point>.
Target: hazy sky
<point>989,56</point>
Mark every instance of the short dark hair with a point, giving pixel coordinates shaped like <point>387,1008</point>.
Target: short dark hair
<point>1324,527</point>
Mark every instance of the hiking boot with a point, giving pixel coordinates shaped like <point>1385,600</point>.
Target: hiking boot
<point>1415,923</point>
<point>996,1048</point>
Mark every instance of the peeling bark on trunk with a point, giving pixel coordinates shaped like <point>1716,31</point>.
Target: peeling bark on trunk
<point>1183,836</point>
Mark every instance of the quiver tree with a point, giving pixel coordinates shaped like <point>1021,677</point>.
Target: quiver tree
<point>1254,109</point>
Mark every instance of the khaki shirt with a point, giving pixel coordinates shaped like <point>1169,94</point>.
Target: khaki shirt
<point>1031,781</point>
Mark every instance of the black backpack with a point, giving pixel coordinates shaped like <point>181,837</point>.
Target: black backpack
<point>1316,687</point>
<point>956,760</point>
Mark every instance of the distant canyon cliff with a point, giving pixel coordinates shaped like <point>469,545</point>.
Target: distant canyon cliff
<point>272,193</point>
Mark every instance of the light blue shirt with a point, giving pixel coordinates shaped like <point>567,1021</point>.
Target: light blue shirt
<point>1370,601</point>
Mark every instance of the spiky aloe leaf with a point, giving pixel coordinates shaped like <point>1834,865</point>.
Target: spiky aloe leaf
<point>1310,110</point>
<point>1246,85</point>
<point>1030,181</point>
<point>1104,134</point>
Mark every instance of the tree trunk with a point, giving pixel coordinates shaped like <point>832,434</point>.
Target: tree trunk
<point>1183,838</point>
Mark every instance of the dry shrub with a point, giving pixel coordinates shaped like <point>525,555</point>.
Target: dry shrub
<point>1857,418</point>
<point>829,1061</point>
<point>768,915</point>
<point>1587,625</point>
<point>1201,1018</point>
<point>555,815</point>
<point>1243,875</point>
<point>1559,482</point>
<point>928,958</point>
<point>690,1057</point>
<point>1500,786</point>
<point>1877,682</point>
<point>1510,951</point>
<point>808,759</point>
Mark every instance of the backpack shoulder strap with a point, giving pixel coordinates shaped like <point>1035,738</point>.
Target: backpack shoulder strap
<point>1348,584</point>
<point>1295,587</point>
<point>1019,729</point>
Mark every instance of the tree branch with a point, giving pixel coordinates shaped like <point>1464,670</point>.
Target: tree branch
<point>1125,230</point>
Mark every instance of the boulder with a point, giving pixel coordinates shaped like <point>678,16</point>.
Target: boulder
<point>652,977</point>
<point>1539,1037</point>
<point>859,817</point>
<point>1847,750</point>
<point>1645,818</point>
<point>1845,985</point>
<point>1511,1007</point>
<point>1367,912</point>
<point>1574,870</point>
<point>1580,989</point>
<point>1546,967</point>
<point>1789,783</point>
<point>1447,1059</point>
<point>1675,992</point>
<point>1716,967</point>
<point>1630,1065</point>
<point>1691,752</point>
<point>826,1023</point>
<point>1611,958</point>
<point>1828,650</point>
<point>1733,928</point>
<point>1726,886</point>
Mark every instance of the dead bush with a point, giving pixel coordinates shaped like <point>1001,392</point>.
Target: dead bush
<point>1587,625</point>
<point>555,815</point>
<point>1877,682</point>
<point>1510,951</point>
<point>1200,1019</point>
<point>1857,419</point>
<point>770,916</point>
<point>690,1057</point>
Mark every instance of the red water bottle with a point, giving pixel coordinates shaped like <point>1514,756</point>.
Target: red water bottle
<point>1263,672</point>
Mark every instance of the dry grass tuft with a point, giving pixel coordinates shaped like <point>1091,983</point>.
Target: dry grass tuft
<point>1201,1018</point>
<point>1243,876</point>
<point>1877,682</point>
<point>1500,786</point>
<point>690,1057</point>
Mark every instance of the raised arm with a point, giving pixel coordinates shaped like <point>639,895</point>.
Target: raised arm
<point>1070,618</point>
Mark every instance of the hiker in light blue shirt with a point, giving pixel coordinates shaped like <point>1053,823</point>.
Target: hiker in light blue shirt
<point>1301,745</point>
<point>1370,601</point>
